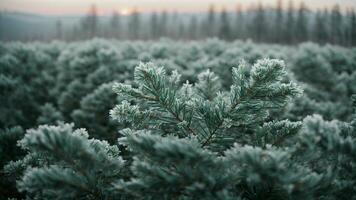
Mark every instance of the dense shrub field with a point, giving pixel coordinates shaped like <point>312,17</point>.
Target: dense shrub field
<point>104,119</point>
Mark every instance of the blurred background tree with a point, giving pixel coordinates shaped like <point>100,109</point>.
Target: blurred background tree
<point>282,23</point>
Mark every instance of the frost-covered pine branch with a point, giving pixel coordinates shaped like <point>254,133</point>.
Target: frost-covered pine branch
<point>63,163</point>
<point>203,110</point>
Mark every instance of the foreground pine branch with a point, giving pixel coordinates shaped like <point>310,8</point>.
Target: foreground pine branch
<point>64,163</point>
<point>201,110</point>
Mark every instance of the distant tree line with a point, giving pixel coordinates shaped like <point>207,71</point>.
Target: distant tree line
<point>284,23</point>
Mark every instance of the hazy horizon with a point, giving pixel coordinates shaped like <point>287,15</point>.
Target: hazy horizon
<point>78,7</point>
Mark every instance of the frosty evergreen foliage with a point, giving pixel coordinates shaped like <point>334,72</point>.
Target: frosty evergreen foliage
<point>202,126</point>
<point>203,112</point>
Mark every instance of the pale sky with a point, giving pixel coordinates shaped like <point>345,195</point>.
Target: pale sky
<point>59,7</point>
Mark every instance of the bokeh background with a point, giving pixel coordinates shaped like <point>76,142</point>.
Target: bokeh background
<point>268,21</point>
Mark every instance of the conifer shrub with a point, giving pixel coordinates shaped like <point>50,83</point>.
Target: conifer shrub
<point>328,78</point>
<point>195,141</point>
<point>201,127</point>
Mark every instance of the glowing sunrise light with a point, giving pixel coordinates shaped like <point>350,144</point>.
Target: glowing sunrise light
<point>125,11</point>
